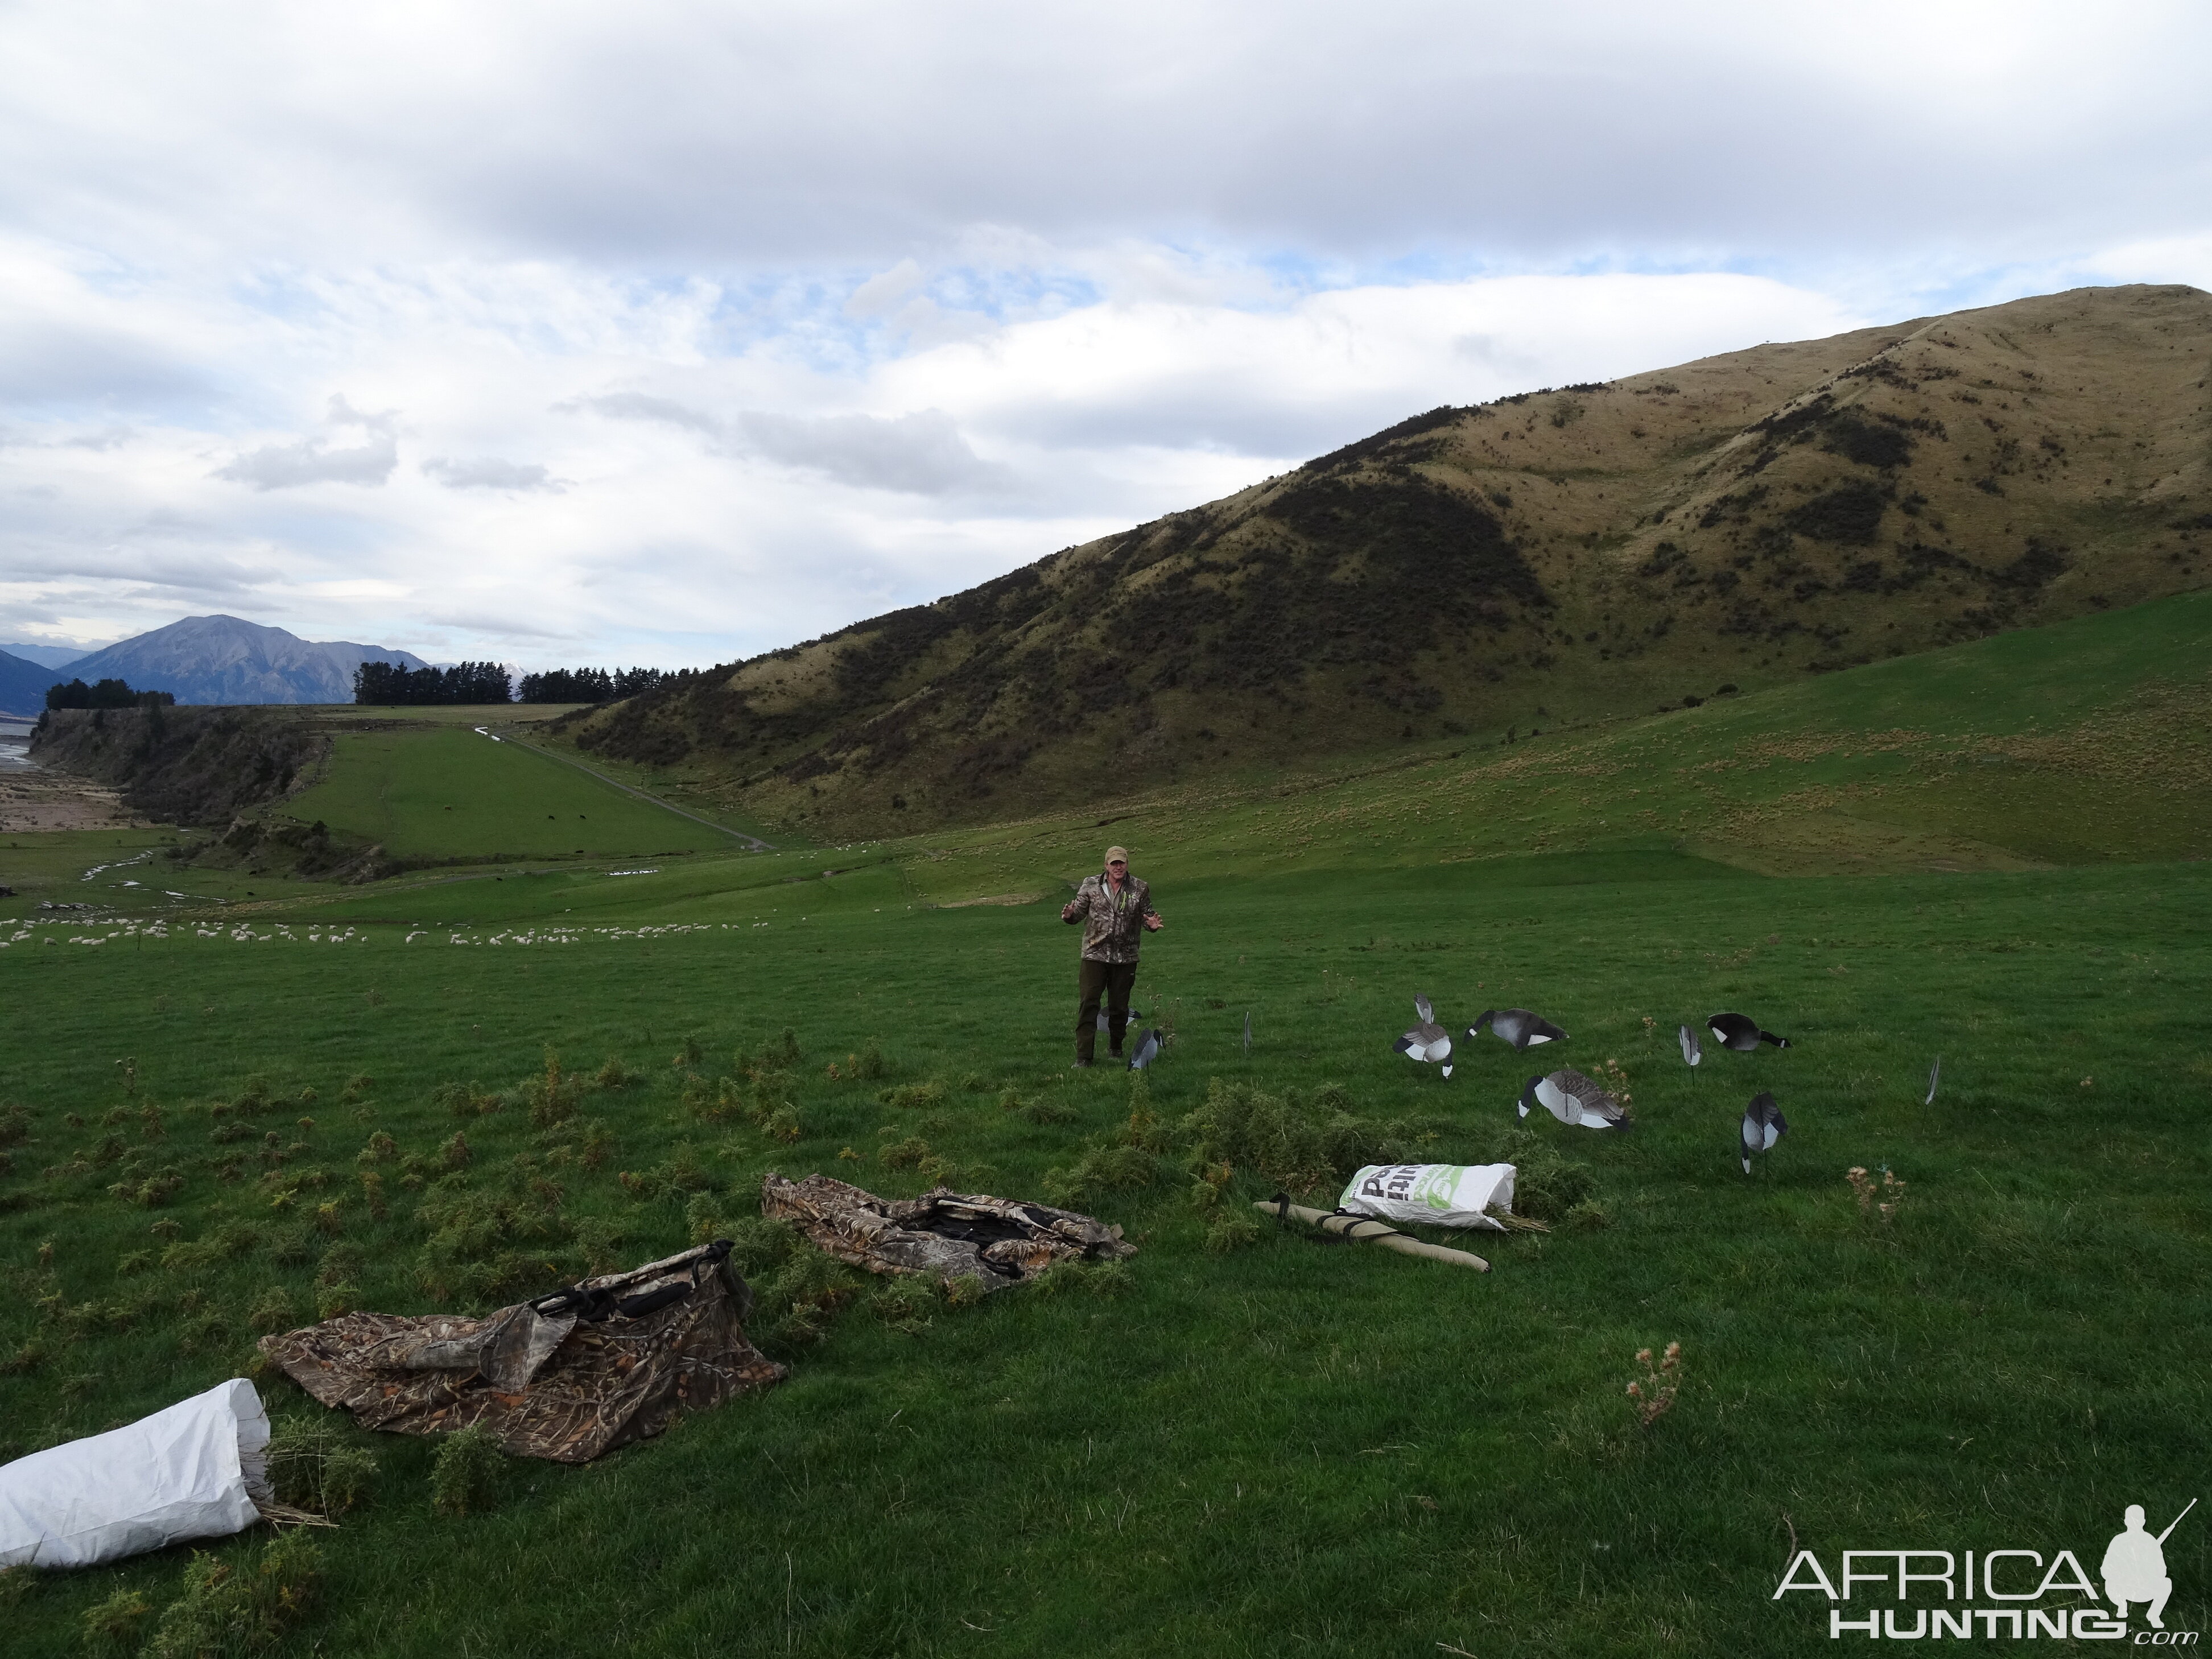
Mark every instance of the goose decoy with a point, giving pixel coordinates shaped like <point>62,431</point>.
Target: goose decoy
<point>1763,1125</point>
<point>1134,1017</point>
<point>1741,1032</point>
<point>1692,1052</point>
<point>1933,1072</point>
<point>1147,1051</point>
<point>1248,1030</point>
<point>1574,1099</point>
<point>1518,1027</point>
<point>1428,1040</point>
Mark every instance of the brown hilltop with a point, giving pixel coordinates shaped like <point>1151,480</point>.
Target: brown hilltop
<point>1558,556</point>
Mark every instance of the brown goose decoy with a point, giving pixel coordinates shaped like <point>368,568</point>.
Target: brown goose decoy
<point>1428,1040</point>
<point>1574,1100</point>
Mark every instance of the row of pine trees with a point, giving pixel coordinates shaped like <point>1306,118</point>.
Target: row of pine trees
<point>390,684</point>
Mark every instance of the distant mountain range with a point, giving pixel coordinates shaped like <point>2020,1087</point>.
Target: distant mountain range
<point>1571,554</point>
<point>47,656</point>
<point>22,685</point>
<point>218,660</point>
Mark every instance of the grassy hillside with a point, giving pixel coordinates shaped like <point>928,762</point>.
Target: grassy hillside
<point>445,792</point>
<point>1598,550</point>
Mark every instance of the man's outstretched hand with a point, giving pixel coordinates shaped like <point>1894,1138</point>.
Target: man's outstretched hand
<point>1068,911</point>
<point>1153,923</point>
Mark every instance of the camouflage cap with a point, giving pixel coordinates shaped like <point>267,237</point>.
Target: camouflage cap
<point>1121,852</point>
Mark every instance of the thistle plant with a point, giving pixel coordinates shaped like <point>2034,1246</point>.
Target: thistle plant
<point>1653,1392</point>
<point>1880,1199</point>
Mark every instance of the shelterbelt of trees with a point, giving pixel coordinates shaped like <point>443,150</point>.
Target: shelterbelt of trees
<point>107,693</point>
<point>386,684</point>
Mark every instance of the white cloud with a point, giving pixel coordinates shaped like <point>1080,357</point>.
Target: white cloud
<point>487,472</point>
<point>795,320</point>
<point>316,460</point>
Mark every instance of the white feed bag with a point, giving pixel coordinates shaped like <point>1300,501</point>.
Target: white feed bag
<point>189,1472</point>
<point>1431,1194</point>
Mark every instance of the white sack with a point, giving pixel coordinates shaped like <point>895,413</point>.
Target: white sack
<point>1431,1194</point>
<point>191,1471</point>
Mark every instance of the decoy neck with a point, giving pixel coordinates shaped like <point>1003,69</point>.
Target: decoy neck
<point>1481,1020</point>
<point>1528,1093</point>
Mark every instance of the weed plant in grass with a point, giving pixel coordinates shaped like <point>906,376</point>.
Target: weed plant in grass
<point>1274,1442</point>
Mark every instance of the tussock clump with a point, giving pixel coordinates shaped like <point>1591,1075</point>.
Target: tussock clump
<point>1296,1142</point>
<point>272,1310</point>
<point>903,1154</point>
<point>26,1359</point>
<point>798,1289</point>
<point>681,1172</point>
<point>477,1235</point>
<point>1231,1228</point>
<point>905,1304</point>
<point>465,1475</point>
<point>470,1099</point>
<point>113,1626</point>
<point>1549,1185</point>
<point>313,1464</point>
<point>1036,1111</point>
<point>151,1191</point>
<point>14,1124</point>
<point>614,1075</point>
<point>228,1243</point>
<point>914,1097</point>
<point>552,1095</point>
<point>380,1149</point>
<point>1102,1169</point>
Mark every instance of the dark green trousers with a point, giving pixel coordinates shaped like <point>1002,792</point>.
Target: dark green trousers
<point>1113,981</point>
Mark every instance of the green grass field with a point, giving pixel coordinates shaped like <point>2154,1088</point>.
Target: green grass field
<point>1289,1446</point>
<point>446,792</point>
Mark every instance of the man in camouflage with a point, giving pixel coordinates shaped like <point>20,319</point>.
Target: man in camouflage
<point>1115,909</point>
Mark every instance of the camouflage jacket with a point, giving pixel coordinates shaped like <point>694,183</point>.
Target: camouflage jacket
<point>1112,928</point>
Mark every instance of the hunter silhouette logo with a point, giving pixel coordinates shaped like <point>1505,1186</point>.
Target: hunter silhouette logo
<point>2019,1580</point>
<point>2134,1566</point>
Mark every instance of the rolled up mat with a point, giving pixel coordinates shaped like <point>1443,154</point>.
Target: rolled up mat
<point>1367,1229</point>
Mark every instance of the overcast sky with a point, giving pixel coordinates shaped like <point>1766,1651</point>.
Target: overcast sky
<point>667,333</point>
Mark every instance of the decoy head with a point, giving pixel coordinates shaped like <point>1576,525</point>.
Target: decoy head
<point>1529,1094</point>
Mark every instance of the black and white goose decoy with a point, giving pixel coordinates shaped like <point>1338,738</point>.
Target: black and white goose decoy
<point>1741,1032</point>
<point>1147,1051</point>
<point>1763,1125</point>
<point>1574,1099</point>
<point>1428,1040</point>
<point>1518,1027</point>
<point>1933,1072</point>
<point>1691,1051</point>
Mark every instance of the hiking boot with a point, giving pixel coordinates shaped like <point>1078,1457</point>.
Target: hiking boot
<point>1080,1064</point>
